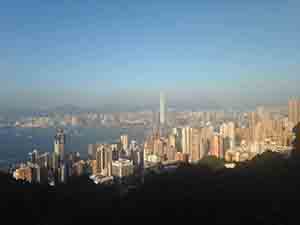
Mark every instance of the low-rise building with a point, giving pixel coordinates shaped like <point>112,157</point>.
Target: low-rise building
<point>23,173</point>
<point>122,168</point>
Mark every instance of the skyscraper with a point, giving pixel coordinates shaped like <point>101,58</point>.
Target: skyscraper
<point>294,111</point>
<point>159,147</point>
<point>62,173</point>
<point>124,142</point>
<point>162,115</point>
<point>172,140</point>
<point>59,144</point>
<point>196,145</point>
<point>34,156</point>
<point>103,161</point>
<point>186,140</point>
<point>252,120</point>
<point>227,131</point>
<point>216,148</point>
<point>36,173</point>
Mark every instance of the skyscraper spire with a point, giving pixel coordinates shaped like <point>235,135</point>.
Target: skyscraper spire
<point>162,115</point>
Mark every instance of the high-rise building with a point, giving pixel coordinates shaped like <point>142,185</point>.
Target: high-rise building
<point>224,130</point>
<point>59,143</point>
<point>159,147</point>
<point>138,159</point>
<point>162,115</point>
<point>54,161</point>
<point>103,161</point>
<point>177,132</point>
<point>206,140</point>
<point>186,140</point>
<point>194,142</point>
<point>196,145</point>
<point>215,145</point>
<point>227,131</point>
<point>63,173</point>
<point>294,111</point>
<point>252,121</point>
<point>124,142</point>
<point>78,168</point>
<point>34,156</point>
<point>44,160</point>
<point>148,147</point>
<point>36,173</point>
<point>172,140</point>
<point>171,153</point>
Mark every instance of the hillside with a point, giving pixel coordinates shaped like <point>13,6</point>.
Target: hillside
<point>198,192</point>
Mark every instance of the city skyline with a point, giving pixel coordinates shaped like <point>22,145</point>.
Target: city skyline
<point>233,138</point>
<point>121,55</point>
<point>115,111</point>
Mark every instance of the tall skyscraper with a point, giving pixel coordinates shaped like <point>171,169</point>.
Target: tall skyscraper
<point>36,173</point>
<point>59,144</point>
<point>196,145</point>
<point>33,156</point>
<point>62,173</point>
<point>252,120</point>
<point>159,147</point>
<point>124,142</point>
<point>103,161</point>
<point>44,160</point>
<point>162,115</point>
<point>54,161</point>
<point>186,140</point>
<point>217,148</point>
<point>172,140</point>
<point>294,111</point>
<point>227,131</point>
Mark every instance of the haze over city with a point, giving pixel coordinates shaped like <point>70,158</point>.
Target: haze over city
<point>144,111</point>
<point>120,54</point>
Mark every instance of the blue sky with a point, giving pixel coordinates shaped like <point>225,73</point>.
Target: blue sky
<point>92,53</point>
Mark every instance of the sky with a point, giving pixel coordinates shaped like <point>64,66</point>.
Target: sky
<point>123,53</point>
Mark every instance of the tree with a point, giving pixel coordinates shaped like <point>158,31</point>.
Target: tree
<point>212,162</point>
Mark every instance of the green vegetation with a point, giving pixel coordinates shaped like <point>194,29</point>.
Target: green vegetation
<point>212,163</point>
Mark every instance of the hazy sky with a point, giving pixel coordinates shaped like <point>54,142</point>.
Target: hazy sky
<point>94,53</point>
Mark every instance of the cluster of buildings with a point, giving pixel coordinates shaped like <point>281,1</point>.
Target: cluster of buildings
<point>126,119</point>
<point>115,161</point>
<point>105,163</point>
<point>53,167</point>
<point>233,140</point>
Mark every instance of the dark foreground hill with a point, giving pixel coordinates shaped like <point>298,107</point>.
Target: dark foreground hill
<point>263,191</point>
